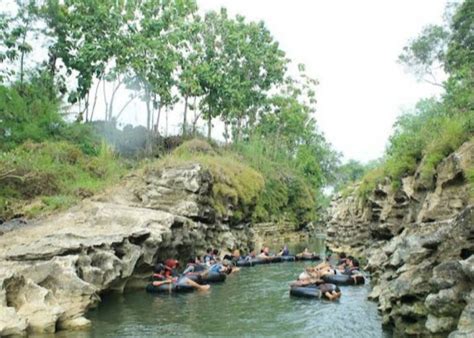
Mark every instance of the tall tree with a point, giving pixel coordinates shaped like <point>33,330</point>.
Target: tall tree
<point>16,34</point>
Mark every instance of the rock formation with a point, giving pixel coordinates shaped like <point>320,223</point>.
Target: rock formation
<point>52,271</point>
<point>418,240</point>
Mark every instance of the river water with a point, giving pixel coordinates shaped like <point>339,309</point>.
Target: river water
<point>253,302</point>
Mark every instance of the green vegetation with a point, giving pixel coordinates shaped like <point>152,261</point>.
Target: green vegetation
<point>436,127</point>
<point>259,189</point>
<point>164,52</point>
<point>31,112</point>
<point>235,183</point>
<point>38,178</point>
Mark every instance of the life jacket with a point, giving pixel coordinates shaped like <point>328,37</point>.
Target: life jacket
<point>171,263</point>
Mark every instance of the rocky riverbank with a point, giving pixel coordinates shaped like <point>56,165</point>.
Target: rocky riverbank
<point>53,270</point>
<point>418,240</point>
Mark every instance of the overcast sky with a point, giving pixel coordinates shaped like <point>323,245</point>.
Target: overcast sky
<point>351,47</point>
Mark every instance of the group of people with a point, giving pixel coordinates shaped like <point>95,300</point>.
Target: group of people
<point>314,275</point>
<point>167,272</point>
<point>265,253</point>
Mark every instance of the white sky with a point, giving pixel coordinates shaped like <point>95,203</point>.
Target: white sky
<point>351,47</point>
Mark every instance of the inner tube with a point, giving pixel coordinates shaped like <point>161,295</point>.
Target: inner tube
<point>260,260</point>
<point>308,258</point>
<point>207,277</point>
<point>287,258</point>
<point>179,286</point>
<point>274,259</point>
<point>252,261</point>
<point>311,291</point>
<point>244,262</point>
<point>342,279</point>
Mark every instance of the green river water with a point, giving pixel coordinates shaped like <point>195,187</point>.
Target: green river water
<point>253,302</point>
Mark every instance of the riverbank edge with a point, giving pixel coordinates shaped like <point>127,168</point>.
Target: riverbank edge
<point>53,270</point>
<point>417,240</point>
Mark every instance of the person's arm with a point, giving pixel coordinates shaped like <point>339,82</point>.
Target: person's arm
<point>189,269</point>
<point>161,282</point>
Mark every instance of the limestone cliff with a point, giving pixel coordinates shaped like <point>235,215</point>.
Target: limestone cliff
<point>418,240</point>
<point>53,270</point>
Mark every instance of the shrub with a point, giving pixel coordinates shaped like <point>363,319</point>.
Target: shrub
<point>52,172</point>
<point>370,181</point>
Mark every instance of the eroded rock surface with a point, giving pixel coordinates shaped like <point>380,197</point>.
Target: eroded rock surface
<point>418,240</point>
<point>53,271</point>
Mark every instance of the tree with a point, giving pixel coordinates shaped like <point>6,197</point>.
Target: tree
<point>241,62</point>
<point>190,59</point>
<point>16,33</point>
<point>153,53</point>
<point>425,55</point>
<point>460,61</point>
<point>88,39</point>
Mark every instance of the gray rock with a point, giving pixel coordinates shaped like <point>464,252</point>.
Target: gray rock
<point>421,263</point>
<point>440,324</point>
<point>52,272</point>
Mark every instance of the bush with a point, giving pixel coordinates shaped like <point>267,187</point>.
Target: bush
<point>194,147</point>
<point>289,193</point>
<point>54,173</point>
<point>370,181</point>
<point>32,113</point>
<point>423,138</point>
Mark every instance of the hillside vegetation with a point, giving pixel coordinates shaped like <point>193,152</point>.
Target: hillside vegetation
<point>437,126</point>
<point>58,147</point>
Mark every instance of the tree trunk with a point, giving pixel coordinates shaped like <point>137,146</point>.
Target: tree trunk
<point>86,109</point>
<point>196,116</point>
<point>237,130</point>
<point>22,57</point>
<point>105,100</point>
<point>226,132</point>
<point>158,119</point>
<point>148,111</point>
<point>21,68</point>
<point>125,106</point>
<point>209,127</point>
<point>52,64</point>
<point>185,114</point>
<point>111,105</point>
<point>148,123</point>
<point>95,98</point>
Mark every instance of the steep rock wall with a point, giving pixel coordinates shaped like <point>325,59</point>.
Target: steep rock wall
<point>419,241</point>
<point>52,271</point>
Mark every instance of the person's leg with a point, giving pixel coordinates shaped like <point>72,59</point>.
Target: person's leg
<point>196,285</point>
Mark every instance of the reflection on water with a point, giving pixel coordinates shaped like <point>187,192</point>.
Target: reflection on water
<point>253,302</point>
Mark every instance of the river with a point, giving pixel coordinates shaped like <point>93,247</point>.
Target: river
<point>252,302</point>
